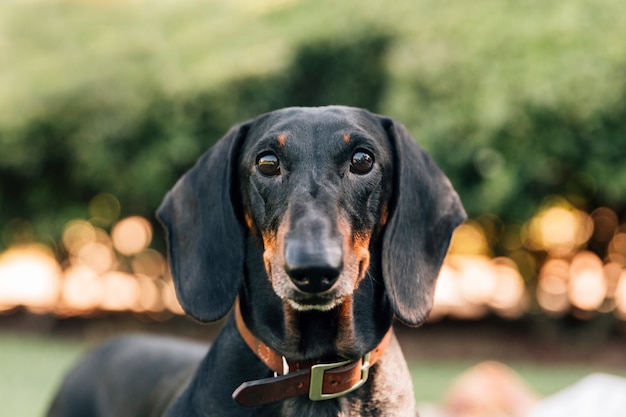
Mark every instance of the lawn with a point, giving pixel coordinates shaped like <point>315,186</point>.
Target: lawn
<point>30,369</point>
<point>32,366</point>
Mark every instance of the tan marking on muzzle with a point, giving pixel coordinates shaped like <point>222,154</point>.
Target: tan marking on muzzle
<point>273,245</point>
<point>356,254</point>
<point>361,245</point>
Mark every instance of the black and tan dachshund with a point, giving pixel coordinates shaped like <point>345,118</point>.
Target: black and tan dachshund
<point>319,225</point>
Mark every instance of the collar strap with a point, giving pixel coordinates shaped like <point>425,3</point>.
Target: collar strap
<point>321,381</point>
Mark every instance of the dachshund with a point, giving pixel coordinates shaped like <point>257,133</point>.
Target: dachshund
<point>316,227</point>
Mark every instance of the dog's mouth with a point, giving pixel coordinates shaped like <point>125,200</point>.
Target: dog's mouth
<point>302,296</point>
<point>314,302</point>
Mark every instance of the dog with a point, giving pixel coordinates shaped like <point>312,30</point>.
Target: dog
<point>316,227</point>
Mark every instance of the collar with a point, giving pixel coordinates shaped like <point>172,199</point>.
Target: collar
<point>321,381</point>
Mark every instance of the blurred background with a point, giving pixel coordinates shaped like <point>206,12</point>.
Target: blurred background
<point>104,104</point>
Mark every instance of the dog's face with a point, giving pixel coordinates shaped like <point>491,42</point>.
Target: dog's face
<point>315,187</point>
<point>331,196</point>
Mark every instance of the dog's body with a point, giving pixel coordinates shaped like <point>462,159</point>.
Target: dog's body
<point>321,225</point>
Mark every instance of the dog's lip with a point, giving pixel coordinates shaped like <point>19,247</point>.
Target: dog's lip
<point>325,301</point>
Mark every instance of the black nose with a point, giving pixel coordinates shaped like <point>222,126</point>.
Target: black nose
<point>313,279</point>
<point>312,271</point>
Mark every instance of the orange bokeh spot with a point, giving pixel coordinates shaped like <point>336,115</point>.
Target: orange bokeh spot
<point>131,235</point>
<point>559,230</point>
<point>552,288</point>
<point>508,294</point>
<point>82,290</point>
<point>469,239</point>
<point>587,286</point>
<point>120,291</point>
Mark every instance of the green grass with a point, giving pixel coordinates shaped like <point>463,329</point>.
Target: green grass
<point>31,368</point>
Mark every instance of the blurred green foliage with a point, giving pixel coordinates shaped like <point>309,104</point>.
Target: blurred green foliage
<point>517,101</point>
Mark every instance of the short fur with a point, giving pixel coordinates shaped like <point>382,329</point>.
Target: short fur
<point>320,254</point>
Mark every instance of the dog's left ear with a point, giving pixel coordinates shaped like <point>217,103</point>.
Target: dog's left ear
<point>425,211</point>
<point>205,239</point>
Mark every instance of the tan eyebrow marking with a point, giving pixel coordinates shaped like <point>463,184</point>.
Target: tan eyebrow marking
<point>281,139</point>
<point>346,138</point>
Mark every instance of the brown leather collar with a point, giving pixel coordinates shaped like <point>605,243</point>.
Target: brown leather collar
<point>321,381</point>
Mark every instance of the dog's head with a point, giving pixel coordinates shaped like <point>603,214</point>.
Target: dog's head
<point>324,191</point>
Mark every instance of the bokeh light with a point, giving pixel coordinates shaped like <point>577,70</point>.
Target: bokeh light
<point>103,272</point>
<point>100,272</point>
<point>587,286</point>
<point>149,295</point>
<point>469,239</point>
<point>552,286</point>
<point>120,292</point>
<point>559,229</point>
<point>131,235</point>
<point>509,295</point>
<point>29,276</point>
<point>82,291</point>
<point>96,256</point>
<point>477,281</point>
<point>470,286</point>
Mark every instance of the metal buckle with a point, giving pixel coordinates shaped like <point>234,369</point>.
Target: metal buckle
<point>285,367</point>
<point>317,379</point>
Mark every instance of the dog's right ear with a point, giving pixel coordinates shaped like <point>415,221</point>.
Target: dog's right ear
<point>204,236</point>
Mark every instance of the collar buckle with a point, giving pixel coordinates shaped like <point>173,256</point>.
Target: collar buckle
<point>317,379</point>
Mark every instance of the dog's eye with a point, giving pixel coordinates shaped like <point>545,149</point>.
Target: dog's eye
<point>362,162</point>
<point>268,164</point>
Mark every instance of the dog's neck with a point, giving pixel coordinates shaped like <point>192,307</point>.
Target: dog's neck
<point>278,363</point>
<point>318,335</point>
<point>314,331</point>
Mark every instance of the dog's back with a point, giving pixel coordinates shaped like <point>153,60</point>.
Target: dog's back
<point>109,380</point>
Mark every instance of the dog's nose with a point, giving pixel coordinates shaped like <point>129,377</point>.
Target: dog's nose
<point>312,270</point>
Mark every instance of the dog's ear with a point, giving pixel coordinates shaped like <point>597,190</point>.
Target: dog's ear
<point>204,236</point>
<point>425,211</point>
